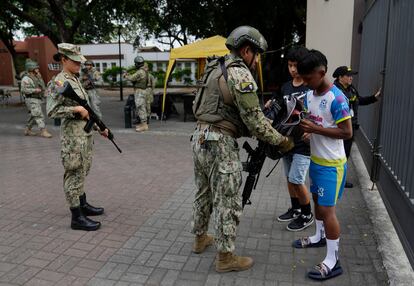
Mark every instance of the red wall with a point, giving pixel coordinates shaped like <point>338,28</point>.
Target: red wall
<point>6,66</point>
<point>40,49</point>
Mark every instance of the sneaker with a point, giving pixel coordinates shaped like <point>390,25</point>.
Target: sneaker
<point>305,242</point>
<point>291,214</point>
<point>300,223</point>
<point>322,272</point>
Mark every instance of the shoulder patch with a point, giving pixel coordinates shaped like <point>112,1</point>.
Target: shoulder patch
<point>58,83</point>
<point>26,79</point>
<point>246,87</point>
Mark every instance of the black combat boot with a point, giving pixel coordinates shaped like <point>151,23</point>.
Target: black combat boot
<point>81,222</point>
<point>87,209</point>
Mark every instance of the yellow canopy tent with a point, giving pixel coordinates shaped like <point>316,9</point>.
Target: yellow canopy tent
<point>199,50</point>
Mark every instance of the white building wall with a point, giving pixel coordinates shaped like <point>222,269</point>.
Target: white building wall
<point>329,26</point>
<point>159,60</point>
<point>155,56</point>
<point>127,50</point>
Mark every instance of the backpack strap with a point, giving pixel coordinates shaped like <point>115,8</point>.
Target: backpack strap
<point>223,67</point>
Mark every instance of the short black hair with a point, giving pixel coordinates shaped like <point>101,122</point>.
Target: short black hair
<point>58,57</point>
<point>295,54</point>
<point>312,60</point>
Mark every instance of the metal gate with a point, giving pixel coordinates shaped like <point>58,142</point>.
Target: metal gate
<point>386,137</point>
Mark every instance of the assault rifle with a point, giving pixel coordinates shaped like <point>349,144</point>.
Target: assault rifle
<point>253,165</point>
<point>256,157</point>
<point>68,92</point>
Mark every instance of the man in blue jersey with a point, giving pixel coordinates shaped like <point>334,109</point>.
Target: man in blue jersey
<point>328,121</point>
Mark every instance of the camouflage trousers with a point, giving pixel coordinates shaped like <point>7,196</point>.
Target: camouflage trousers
<point>95,101</point>
<point>141,105</point>
<point>149,99</point>
<point>217,169</point>
<point>76,156</point>
<point>34,105</point>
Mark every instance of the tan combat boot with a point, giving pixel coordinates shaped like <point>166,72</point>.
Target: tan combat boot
<point>141,127</point>
<point>201,242</point>
<point>29,132</point>
<point>227,261</point>
<point>45,133</point>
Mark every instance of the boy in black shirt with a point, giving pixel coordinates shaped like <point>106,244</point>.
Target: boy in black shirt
<point>296,162</point>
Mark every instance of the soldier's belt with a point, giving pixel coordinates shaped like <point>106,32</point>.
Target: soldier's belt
<point>202,126</point>
<point>34,95</point>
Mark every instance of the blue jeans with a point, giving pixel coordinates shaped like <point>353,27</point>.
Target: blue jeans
<point>296,167</point>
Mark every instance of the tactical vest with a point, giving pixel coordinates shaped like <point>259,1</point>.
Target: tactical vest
<point>142,84</point>
<point>213,103</point>
<point>38,84</point>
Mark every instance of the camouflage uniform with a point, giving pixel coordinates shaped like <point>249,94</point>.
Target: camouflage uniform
<point>140,80</point>
<point>217,164</point>
<point>76,144</point>
<point>86,76</point>
<point>33,100</point>
<point>150,92</point>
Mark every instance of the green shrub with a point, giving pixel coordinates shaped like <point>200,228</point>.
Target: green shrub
<point>110,75</point>
<point>182,74</point>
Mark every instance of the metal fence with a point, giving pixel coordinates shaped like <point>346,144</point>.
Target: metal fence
<point>386,139</point>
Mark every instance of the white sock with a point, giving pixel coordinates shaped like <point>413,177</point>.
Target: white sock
<point>332,247</point>
<point>320,232</point>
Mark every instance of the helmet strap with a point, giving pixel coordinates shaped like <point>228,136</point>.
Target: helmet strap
<point>254,51</point>
<point>251,62</point>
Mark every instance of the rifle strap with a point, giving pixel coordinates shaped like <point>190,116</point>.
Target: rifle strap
<point>274,167</point>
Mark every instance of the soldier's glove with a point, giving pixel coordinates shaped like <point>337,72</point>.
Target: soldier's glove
<point>286,145</point>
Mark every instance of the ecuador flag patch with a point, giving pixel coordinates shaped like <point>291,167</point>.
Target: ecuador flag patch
<point>246,87</point>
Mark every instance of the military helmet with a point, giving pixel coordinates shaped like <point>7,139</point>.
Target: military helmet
<point>139,61</point>
<point>244,34</point>
<point>31,65</point>
<point>88,62</point>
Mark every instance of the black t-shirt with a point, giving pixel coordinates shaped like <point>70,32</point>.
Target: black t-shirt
<point>288,89</point>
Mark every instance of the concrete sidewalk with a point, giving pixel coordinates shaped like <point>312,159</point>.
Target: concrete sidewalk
<point>147,193</point>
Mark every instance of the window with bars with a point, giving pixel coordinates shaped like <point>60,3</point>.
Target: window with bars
<point>54,66</point>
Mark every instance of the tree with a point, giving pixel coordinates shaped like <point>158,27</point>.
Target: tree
<point>174,21</point>
<point>281,22</point>
<point>9,24</point>
<point>75,21</point>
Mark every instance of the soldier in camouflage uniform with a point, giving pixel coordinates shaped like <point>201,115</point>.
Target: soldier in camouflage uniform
<point>33,87</point>
<point>227,107</point>
<point>90,78</point>
<point>149,91</point>
<point>140,80</point>
<point>76,150</point>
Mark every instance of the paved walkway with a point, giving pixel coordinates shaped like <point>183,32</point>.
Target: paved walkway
<point>147,194</point>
